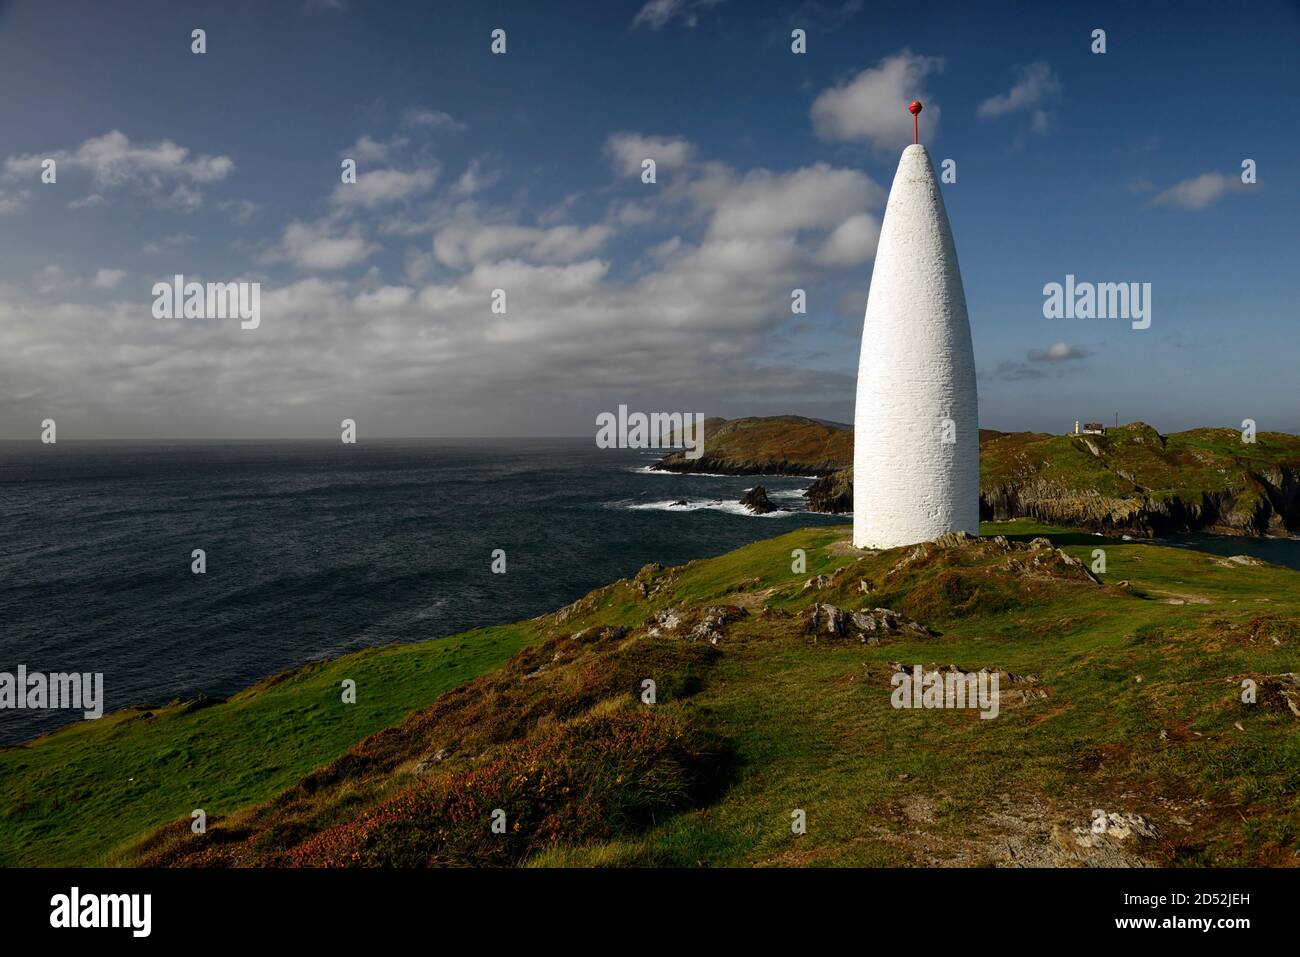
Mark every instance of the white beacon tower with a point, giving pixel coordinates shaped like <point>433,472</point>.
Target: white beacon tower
<point>916,427</point>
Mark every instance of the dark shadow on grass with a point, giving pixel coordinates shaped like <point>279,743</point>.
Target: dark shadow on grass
<point>718,777</point>
<point>1060,539</point>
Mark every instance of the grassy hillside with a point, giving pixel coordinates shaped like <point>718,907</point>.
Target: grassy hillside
<point>72,796</point>
<point>1132,480</point>
<point>771,445</point>
<point>1122,694</point>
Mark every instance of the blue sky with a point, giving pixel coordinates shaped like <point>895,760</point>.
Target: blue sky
<point>522,172</point>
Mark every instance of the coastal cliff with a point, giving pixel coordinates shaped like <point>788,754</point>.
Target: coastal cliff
<point>1130,481</point>
<point>1135,481</point>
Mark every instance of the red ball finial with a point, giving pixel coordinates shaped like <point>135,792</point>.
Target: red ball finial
<point>915,109</point>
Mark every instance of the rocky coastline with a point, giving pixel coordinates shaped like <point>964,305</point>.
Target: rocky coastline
<point>1132,481</point>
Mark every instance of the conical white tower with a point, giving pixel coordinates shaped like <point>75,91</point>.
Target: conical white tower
<point>916,431</point>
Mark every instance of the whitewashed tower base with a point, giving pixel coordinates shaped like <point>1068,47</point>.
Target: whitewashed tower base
<point>916,377</point>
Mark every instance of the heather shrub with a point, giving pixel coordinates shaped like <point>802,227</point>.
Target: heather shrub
<point>607,773</point>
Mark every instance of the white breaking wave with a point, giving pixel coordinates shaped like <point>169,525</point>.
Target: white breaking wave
<point>790,494</point>
<point>650,470</point>
<point>717,505</point>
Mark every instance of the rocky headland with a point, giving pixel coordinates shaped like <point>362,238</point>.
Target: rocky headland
<point>767,445</point>
<point>1130,481</point>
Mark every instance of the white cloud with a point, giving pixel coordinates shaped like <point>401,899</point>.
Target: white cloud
<point>432,119</point>
<point>305,298</point>
<point>1199,192</point>
<point>53,279</point>
<point>693,316</point>
<point>112,159</point>
<point>475,179</point>
<point>1059,352</point>
<point>312,246</point>
<point>14,200</point>
<point>872,106</point>
<point>634,214</point>
<point>113,162</point>
<point>383,186</point>
<point>367,149</point>
<point>240,211</point>
<point>853,242</point>
<point>656,14</point>
<point>815,197</point>
<point>1036,85</point>
<point>383,299</point>
<point>628,150</point>
<point>418,265</point>
<point>469,243</point>
<point>546,280</point>
<point>167,243</point>
<point>108,278</point>
<point>665,249</point>
<point>88,202</point>
<point>184,199</point>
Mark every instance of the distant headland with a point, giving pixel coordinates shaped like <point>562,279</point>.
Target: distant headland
<point>1127,480</point>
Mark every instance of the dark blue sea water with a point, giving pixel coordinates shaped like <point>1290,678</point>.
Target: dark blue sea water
<point>317,549</point>
<point>1279,551</point>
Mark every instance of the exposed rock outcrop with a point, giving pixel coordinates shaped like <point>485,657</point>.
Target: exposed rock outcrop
<point>879,623</point>
<point>1281,692</point>
<point>870,626</point>
<point>1265,505</point>
<point>1013,689</point>
<point>832,493</point>
<point>707,624</point>
<point>1242,511</point>
<point>756,501</point>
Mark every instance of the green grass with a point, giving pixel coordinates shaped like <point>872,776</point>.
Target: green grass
<point>1134,457</point>
<point>773,444</point>
<point>805,726</point>
<point>811,733</point>
<point>72,797</point>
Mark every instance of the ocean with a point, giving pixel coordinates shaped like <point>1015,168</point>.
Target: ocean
<point>317,549</point>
